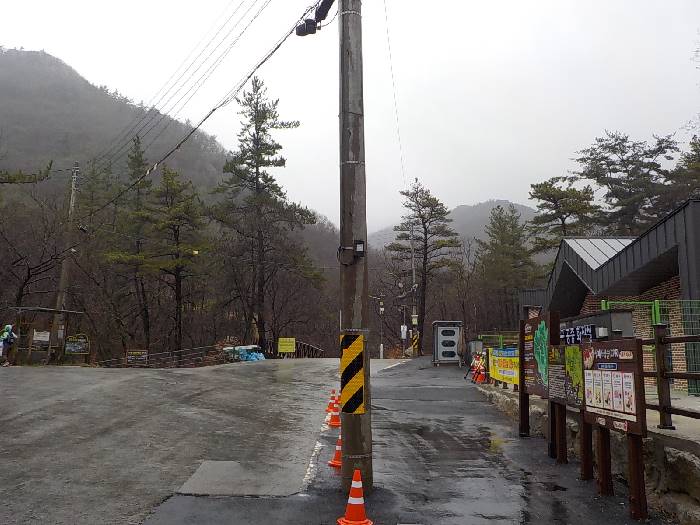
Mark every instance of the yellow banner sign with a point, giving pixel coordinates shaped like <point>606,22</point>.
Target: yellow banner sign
<point>503,365</point>
<point>286,345</point>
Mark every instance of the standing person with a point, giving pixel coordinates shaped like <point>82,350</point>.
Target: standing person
<point>7,340</point>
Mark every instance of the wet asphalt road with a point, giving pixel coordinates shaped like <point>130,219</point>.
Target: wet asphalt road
<point>93,446</point>
<point>442,455</point>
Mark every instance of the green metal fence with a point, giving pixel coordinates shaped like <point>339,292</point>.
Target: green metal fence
<point>681,316</point>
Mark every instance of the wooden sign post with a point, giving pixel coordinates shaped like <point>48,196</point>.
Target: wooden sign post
<point>614,400</point>
<point>536,336</point>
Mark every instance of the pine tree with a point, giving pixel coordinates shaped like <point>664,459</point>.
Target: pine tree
<point>255,206</point>
<point>631,173</point>
<point>435,242</point>
<point>683,182</point>
<point>176,219</point>
<point>504,259</point>
<point>131,224</point>
<point>563,211</point>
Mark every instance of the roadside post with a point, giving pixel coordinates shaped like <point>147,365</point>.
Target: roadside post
<point>614,400</point>
<point>354,296</point>
<point>536,336</point>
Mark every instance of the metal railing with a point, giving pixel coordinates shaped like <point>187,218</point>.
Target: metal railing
<point>662,343</point>
<point>185,358</point>
<point>303,350</point>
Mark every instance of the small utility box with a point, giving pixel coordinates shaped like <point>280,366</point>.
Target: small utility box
<point>447,346</point>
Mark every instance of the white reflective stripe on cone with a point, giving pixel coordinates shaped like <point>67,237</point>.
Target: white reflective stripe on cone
<point>356,484</point>
<point>356,501</point>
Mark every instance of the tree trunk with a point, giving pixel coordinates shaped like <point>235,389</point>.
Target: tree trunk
<point>178,310</point>
<point>144,311</point>
<point>260,291</point>
<point>423,292</point>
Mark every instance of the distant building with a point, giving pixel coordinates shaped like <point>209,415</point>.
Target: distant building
<point>656,275</point>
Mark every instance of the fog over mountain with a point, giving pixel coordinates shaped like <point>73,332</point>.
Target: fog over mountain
<point>467,220</point>
<point>49,112</point>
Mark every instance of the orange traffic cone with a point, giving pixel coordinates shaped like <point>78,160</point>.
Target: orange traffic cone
<point>332,401</point>
<point>335,416</point>
<point>337,460</point>
<point>355,511</point>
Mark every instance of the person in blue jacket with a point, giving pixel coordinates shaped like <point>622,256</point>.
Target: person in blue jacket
<point>7,340</point>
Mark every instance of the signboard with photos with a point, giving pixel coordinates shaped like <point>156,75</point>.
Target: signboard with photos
<point>614,385</point>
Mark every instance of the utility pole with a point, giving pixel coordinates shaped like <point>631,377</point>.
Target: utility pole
<point>58,334</point>
<point>356,399</point>
<point>414,313</point>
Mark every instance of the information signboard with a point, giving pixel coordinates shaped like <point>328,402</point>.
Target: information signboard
<point>78,344</point>
<point>536,339</point>
<point>574,375</point>
<point>556,370</point>
<point>614,390</point>
<point>577,334</point>
<point>503,365</point>
<point>40,340</point>
<point>137,357</point>
<point>286,345</point>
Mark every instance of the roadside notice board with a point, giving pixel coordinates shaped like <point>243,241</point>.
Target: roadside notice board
<point>614,390</point>
<point>556,370</point>
<point>503,365</point>
<point>40,340</point>
<point>136,357</point>
<point>286,345</point>
<point>536,338</point>
<point>574,375</point>
<point>78,344</point>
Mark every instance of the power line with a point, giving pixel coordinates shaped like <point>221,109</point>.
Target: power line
<point>124,134</point>
<point>396,106</point>
<point>227,99</point>
<point>164,111</point>
<point>202,79</point>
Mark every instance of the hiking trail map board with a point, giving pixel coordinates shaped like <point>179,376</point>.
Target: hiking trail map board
<point>536,338</point>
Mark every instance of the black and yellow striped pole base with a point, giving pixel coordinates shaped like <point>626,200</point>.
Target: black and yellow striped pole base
<point>352,373</point>
<point>415,340</point>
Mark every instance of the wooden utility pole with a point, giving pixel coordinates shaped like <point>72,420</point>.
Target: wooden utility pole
<point>355,388</point>
<point>58,327</point>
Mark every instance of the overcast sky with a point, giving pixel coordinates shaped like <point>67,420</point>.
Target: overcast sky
<point>492,95</point>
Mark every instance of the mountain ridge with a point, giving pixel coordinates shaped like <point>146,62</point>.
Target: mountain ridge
<point>468,220</point>
<point>49,112</point>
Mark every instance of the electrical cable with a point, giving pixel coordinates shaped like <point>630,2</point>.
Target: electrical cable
<point>163,111</point>
<point>202,80</point>
<point>124,134</point>
<point>227,99</point>
<point>396,106</point>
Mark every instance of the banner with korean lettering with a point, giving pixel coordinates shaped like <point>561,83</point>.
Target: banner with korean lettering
<point>503,365</point>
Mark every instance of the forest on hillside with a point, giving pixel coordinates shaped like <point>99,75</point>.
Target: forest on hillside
<point>208,247</point>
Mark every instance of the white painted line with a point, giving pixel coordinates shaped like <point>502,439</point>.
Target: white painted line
<point>392,366</point>
<point>311,469</point>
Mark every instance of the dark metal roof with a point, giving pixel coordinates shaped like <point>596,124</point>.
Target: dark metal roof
<point>625,266</point>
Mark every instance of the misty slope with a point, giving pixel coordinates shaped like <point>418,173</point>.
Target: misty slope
<point>49,112</point>
<point>467,220</point>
